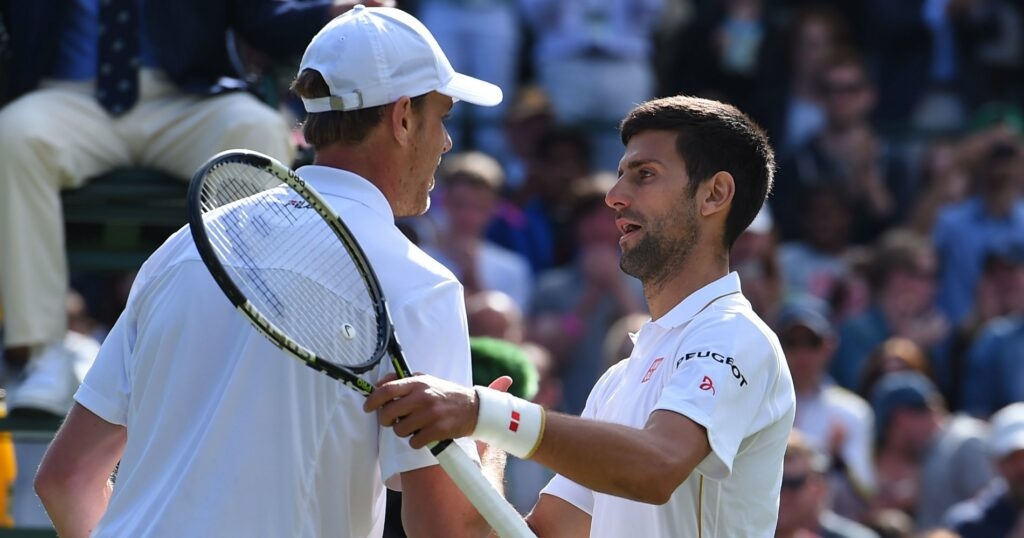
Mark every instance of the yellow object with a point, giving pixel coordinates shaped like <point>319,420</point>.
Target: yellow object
<point>8,468</point>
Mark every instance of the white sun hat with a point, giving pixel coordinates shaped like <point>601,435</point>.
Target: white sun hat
<point>374,56</point>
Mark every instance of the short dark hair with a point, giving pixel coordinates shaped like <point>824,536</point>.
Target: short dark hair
<point>711,137</point>
<point>899,249</point>
<point>322,129</point>
<point>563,135</point>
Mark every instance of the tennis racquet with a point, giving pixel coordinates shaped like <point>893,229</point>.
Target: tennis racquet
<point>289,263</point>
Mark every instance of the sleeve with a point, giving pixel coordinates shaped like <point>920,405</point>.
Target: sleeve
<point>431,327</point>
<point>564,488</point>
<point>570,492</point>
<point>722,375</point>
<point>106,389</point>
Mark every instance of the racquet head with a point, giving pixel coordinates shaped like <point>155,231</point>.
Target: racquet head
<point>288,262</point>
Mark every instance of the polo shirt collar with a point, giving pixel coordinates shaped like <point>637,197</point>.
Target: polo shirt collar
<point>699,300</point>
<point>340,183</point>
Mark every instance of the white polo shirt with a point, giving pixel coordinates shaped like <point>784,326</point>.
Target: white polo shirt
<point>227,435</point>
<point>713,360</point>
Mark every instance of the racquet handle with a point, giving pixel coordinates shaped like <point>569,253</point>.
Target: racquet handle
<point>504,519</point>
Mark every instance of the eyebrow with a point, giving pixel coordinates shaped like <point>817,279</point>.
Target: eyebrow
<point>637,163</point>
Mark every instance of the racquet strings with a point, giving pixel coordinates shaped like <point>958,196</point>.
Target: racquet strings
<point>289,263</point>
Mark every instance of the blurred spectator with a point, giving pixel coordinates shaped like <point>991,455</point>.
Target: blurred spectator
<point>727,52</point>
<point>921,53</point>
<point>895,354</point>
<point>45,389</point>
<point>815,263</point>
<point>835,421</point>
<point>494,357</point>
<point>944,180</point>
<point>803,506</point>
<point>472,182</point>
<point>754,257</point>
<point>529,116</point>
<point>575,304</point>
<point>593,58</point>
<point>618,343</point>
<point>966,231</point>
<point>494,314</point>
<point>927,460</point>
<point>794,111</point>
<point>95,85</point>
<point>998,510</point>
<point>483,37</point>
<point>891,524</point>
<point>994,370</point>
<point>536,225</point>
<point>848,156</point>
<point>901,276</point>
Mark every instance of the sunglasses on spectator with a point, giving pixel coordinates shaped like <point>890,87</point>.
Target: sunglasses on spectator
<point>793,483</point>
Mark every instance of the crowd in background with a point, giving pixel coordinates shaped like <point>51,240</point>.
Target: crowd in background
<point>889,257</point>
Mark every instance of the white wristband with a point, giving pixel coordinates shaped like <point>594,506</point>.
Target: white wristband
<point>512,424</point>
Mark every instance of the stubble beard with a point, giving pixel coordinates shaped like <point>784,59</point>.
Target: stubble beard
<point>657,256</point>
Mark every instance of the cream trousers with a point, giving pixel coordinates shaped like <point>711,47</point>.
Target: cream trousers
<point>58,137</point>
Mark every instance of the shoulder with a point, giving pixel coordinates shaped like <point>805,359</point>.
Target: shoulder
<point>846,402</point>
<point>733,320</point>
<point>730,333</point>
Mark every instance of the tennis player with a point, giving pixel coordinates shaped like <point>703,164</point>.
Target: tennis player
<point>218,433</point>
<point>686,437</point>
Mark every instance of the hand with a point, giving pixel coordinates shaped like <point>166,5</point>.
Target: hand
<point>427,408</point>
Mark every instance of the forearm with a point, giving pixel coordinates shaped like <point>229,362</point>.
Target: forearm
<point>492,465</point>
<point>422,513</point>
<point>611,458</point>
<point>73,480</point>
<point>75,509</point>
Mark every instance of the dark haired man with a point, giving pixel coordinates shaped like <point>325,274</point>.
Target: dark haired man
<point>687,436</point>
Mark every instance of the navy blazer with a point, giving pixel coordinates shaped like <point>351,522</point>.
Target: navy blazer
<point>189,37</point>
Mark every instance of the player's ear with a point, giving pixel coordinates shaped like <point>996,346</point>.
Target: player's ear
<point>399,115</point>
<point>716,194</point>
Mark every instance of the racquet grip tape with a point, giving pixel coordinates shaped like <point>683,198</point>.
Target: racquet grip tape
<point>440,446</point>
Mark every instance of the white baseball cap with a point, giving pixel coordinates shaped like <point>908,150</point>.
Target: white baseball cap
<point>372,56</point>
<point>1007,430</point>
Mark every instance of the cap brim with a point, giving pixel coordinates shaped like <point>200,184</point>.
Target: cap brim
<point>472,90</point>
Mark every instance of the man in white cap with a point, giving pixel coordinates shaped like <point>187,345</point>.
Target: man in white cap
<point>999,510</point>
<point>202,412</point>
